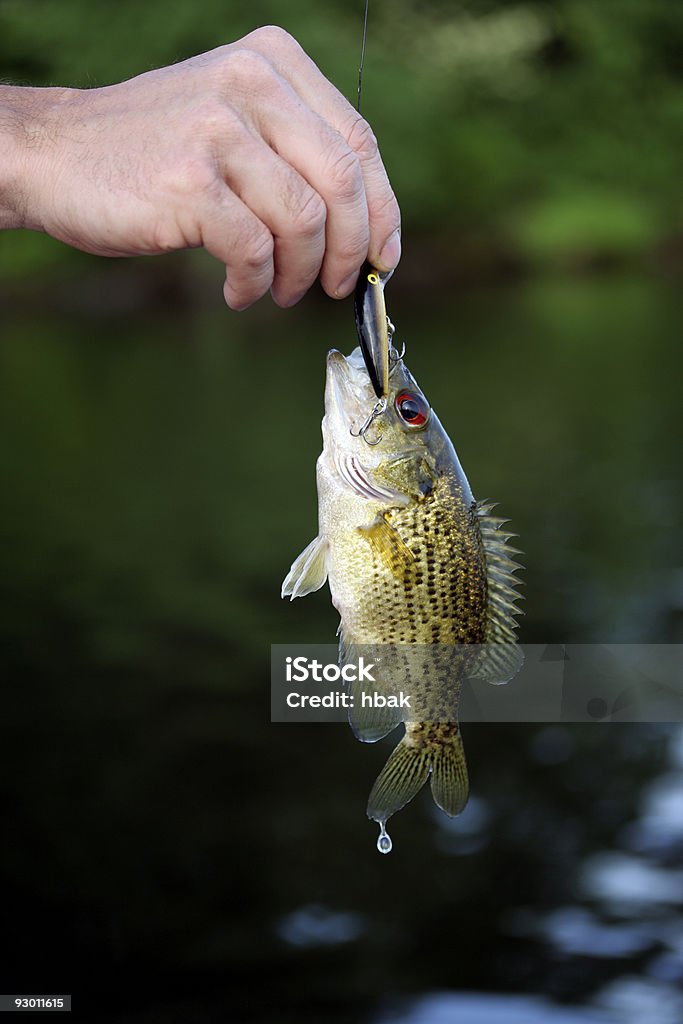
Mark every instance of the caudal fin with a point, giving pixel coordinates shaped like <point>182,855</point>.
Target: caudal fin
<point>408,768</point>
<point>450,785</point>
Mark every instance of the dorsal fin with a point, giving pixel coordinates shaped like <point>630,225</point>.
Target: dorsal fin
<point>503,658</point>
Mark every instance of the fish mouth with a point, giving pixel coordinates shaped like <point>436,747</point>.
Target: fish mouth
<point>337,362</point>
<point>349,390</point>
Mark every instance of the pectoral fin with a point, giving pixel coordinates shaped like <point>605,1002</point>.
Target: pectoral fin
<point>390,547</point>
<point>308,572</point>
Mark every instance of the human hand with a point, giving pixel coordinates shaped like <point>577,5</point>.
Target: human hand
<point>247,150</point>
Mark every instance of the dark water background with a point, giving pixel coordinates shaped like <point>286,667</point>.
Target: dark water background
<point>169,855</point>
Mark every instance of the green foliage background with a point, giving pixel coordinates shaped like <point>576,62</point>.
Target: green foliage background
<point>547,132</point>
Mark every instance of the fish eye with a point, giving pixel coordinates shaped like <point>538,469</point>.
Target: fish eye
<point>412,408</point>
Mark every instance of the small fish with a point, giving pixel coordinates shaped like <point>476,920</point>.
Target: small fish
<point>414,564</point>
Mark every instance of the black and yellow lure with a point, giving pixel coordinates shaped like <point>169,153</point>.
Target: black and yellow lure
<point>372,325</point>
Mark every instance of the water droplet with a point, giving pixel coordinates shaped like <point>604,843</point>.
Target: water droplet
<point>384,843</point>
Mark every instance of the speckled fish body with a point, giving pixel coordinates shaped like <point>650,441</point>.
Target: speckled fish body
<point>415,565</point>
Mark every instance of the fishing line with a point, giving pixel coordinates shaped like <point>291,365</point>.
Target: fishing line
<point>394,357</point>
<point>362,54</point>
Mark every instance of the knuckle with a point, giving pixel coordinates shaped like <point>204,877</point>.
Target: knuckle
<point>210,118</point>
<point>347,251</point>
<point>165,237</point>
<point>344,173</point>
<point>362,138</point>
<point>275,38</point>
<point>309,219</point>
<point>387,208</point>
<point>352,250</point>
<point>243,67</point>
<point>191,177</point>
<point>257,250</point>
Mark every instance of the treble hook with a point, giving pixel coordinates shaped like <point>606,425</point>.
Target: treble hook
<point>377,411</point>
<point>381,406</point>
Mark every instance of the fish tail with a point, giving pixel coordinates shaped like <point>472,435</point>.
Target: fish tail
<point>439,754</point>
<point>450,785</point>
<point>404,775</point>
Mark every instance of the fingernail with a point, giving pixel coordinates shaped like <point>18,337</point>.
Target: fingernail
<point>391,252</point>
<point>347,285</point>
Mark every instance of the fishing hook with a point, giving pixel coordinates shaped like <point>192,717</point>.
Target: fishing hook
<point>394,356</point>
<point>377,411</point>
<point>380,407</point>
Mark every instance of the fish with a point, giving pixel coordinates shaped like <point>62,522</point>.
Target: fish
<point>420,573</point>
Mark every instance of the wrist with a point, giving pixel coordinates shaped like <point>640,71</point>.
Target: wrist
<point>26,141</point>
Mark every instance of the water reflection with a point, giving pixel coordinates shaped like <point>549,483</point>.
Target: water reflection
<point>319,926</point>
<point>475,1008</point>
<point>633,917</point>
<point>156,826</point>
<point>467,834</point>
<point>634,912</point>
<point>633,1000</point>
<point>621,880</point>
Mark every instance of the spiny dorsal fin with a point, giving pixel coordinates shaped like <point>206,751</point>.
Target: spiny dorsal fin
<point>503,658</point>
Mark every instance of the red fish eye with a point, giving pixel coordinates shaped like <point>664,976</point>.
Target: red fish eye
<point>412,408</point>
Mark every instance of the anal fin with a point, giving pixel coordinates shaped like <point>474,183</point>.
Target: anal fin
<point>368,721</point>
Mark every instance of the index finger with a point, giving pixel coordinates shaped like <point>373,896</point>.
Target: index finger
<point>294,64</point>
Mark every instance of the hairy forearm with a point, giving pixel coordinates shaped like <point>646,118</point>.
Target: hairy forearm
<point>26,129</point>
<point>12,119</point>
